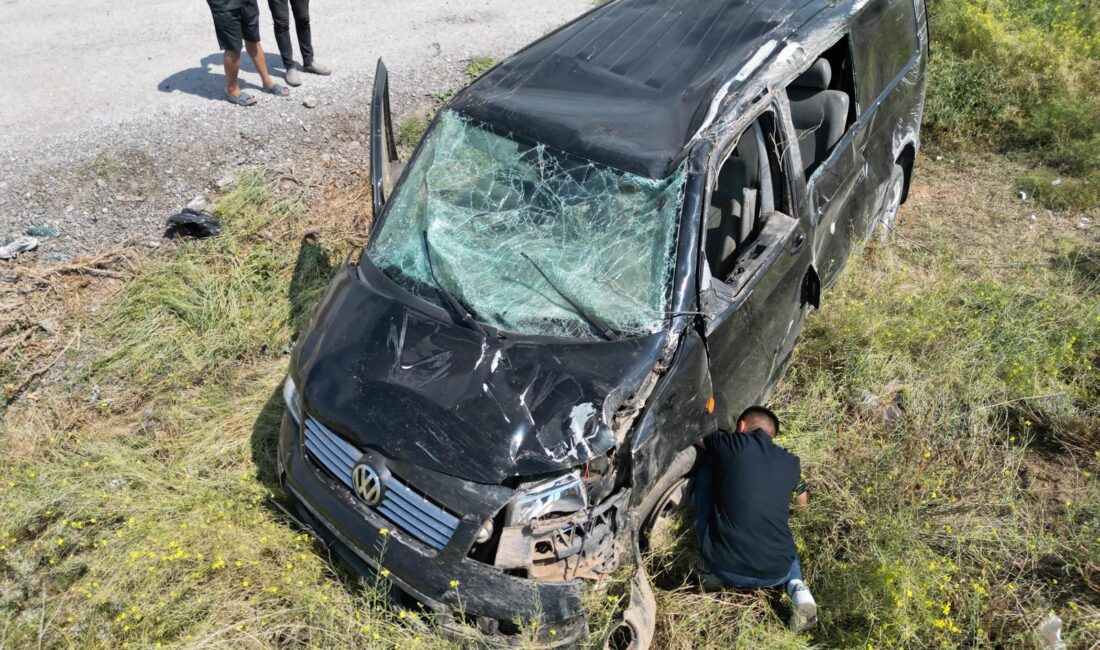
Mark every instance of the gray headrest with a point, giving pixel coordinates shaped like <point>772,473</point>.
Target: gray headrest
<point>818,76</point>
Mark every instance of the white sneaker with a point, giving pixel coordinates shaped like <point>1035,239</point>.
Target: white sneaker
<point>804,616</point>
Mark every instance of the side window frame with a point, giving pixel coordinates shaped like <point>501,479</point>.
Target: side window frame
<point>852,122</point>
<point>865,49</point>
<point>842,146</point>
<point>780,118</point>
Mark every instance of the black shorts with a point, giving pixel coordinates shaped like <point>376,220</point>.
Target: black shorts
<point>235,21</point>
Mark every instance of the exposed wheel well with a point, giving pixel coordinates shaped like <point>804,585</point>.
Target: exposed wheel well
<point>905,159</point>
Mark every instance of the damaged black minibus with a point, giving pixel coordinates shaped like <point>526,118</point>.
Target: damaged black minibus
<point>601,250</point>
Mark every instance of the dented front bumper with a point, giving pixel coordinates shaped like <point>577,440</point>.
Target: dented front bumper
<point>366,541</point>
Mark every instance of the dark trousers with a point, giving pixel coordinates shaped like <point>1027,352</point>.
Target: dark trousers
<point>280,15</point>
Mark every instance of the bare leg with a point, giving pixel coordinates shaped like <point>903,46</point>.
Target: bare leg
<point>232,62</point>
<point>256,52</point>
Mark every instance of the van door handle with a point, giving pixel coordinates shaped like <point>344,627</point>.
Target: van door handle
<point>798,243</point>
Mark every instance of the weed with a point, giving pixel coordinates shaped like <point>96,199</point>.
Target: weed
<point>477,66</point>
<point>410,131</point>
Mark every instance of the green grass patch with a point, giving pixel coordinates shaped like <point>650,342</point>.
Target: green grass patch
<point>1024,77</point>
<point>478,65</point>
<point>410,131</point>
<point>217,301</point>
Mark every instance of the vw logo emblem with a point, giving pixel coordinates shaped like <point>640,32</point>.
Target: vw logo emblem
<point>368,485</point>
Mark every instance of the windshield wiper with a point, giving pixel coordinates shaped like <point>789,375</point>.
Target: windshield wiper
<point>455,304</point>
<point>596,322</point>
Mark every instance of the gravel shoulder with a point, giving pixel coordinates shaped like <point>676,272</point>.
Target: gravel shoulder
<point>123,123</point>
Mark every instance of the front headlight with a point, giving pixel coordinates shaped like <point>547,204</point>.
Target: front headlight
<point>561,495</point>
<point>293,401</point>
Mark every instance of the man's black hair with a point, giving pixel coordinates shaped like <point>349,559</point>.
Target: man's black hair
<point>760,410</point>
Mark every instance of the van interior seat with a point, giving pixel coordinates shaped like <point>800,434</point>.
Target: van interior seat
<point>819,114</point>
<point>724,216</point>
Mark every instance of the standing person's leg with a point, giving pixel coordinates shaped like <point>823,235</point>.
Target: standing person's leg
<point>280,17</point>
<point>231,61</point>
<point>305,38</point>
<point>256,52</point>
<point>250,26</point>
<point>228,30</point>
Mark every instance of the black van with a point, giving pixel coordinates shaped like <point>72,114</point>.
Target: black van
<point>601,250</point>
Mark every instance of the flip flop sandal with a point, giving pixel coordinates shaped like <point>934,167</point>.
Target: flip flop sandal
<point>243,99</point>
<point>279,90</point>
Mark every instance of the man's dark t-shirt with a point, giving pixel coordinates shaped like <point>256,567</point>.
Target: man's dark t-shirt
<point>751,483</point>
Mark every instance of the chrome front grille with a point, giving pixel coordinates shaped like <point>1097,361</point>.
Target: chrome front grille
<point>401,504</point>
<point>416,515</point>
<point>331,451</point>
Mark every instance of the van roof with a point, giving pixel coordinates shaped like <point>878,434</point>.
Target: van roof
<point>628,84</point>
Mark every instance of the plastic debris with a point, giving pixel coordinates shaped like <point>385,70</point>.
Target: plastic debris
<point>1056,182</point>
<point>193,223</point>
<point>1023,195</point>
<point>1048,636</point>
<point>17,246</point>
<point>888,407</point>
<point>48,230</point>
<point>635,629</point>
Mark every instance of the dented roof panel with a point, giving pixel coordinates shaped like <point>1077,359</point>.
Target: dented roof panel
<point>629,84</point>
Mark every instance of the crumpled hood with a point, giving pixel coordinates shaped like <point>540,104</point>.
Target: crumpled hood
<point>390,371</point>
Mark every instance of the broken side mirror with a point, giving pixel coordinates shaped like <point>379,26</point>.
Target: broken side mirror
<point>383,149</point>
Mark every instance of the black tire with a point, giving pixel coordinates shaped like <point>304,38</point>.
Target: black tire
<point>650,511</point>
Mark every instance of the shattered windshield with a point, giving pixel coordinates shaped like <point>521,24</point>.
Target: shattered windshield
<point>493,211</point>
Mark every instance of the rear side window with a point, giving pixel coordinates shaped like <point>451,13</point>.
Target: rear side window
<point>885,39</point>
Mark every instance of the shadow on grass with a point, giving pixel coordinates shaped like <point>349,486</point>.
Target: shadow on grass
<point>312,271</point>
<point>1082,267</point>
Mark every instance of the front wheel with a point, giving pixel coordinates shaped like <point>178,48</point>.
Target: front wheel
<point>658,526</point>
<point>895,189</point>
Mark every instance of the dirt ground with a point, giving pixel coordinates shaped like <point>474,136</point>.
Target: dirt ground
<point>113,115</point>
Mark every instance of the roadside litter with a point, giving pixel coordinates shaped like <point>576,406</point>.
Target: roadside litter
<point>193,223</point>
<point>48,230</point>
<point>17,246</point>
<point>1049,634</point>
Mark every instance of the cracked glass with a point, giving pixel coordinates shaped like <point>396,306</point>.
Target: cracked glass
<point>604,237</point>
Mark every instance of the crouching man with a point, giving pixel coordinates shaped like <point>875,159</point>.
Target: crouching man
<point>743,492</point>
